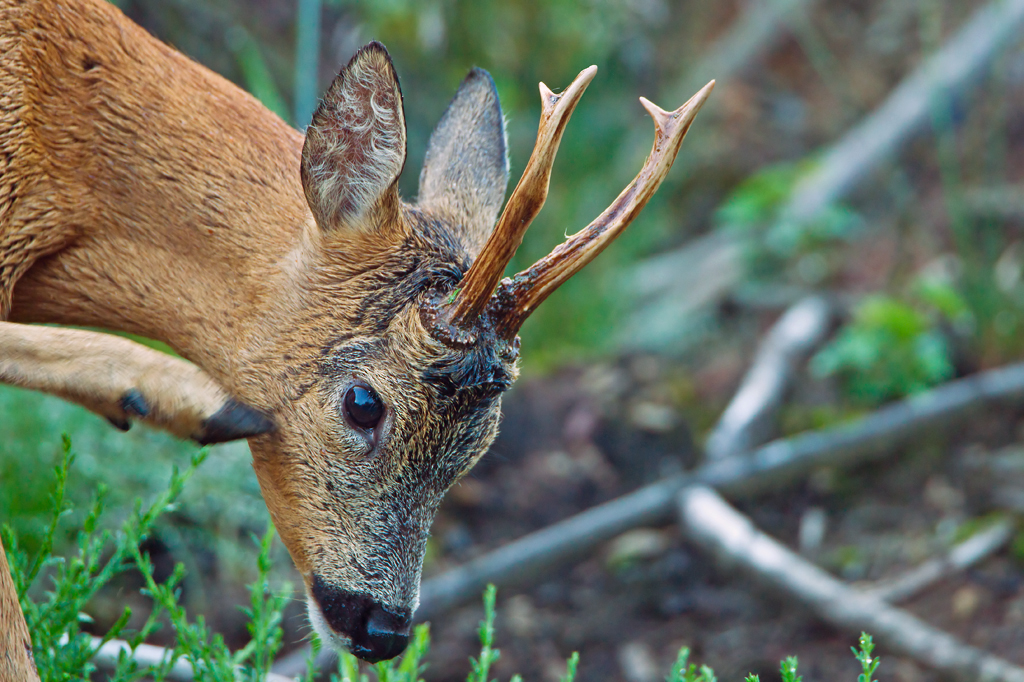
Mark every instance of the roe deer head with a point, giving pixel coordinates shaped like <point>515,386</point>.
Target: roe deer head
<point>372,338</point>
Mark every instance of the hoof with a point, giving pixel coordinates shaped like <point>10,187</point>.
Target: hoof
<point>134,404</point>
<point>232,421</point>
<point>120,423</point>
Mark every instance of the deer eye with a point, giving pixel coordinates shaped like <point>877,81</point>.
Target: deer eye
<point>363,407</point>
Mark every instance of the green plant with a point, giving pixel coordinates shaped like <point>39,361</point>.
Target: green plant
<point>63,651</point>
<point>488,654</point>
<point>684,671</point>
<point>889,349</point>
<point>776,245</point>
<point>863,655</point>
<point>788,670</point>
<point>205,651</point>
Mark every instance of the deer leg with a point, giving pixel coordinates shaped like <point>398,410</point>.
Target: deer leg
<point>123,380</point>
<point>16,661</point>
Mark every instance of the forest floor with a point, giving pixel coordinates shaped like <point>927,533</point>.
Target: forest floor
<point>577,439</point>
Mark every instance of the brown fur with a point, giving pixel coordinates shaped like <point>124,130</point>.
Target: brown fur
<point>140,192</point>
<point>97,370</point>
<point>16,663</point>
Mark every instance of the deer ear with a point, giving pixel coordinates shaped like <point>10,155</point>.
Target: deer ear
<point>466,167</point>
<point>355,146</point>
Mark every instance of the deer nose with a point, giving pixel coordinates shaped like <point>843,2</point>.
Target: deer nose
<point>377,632</point>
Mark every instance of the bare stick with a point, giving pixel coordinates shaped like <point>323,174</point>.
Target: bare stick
<point>951,70</point>
<point>760,27</point>
<point>148,655</point>
<point>748,418</point>
<point>1003,202</point>
<point>536,554</point>
<point>971,551</point>
<point>717,527</point>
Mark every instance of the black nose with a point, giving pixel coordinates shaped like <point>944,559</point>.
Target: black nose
<point>377,632</point>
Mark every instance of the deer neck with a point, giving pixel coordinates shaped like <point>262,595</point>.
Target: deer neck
<point>170,197</point>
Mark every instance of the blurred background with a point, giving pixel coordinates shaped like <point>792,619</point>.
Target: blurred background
<point>830,158</point>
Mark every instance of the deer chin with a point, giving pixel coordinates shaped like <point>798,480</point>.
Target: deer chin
<point>327,636</point>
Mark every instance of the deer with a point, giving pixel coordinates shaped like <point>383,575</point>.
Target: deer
<point>359,342</point>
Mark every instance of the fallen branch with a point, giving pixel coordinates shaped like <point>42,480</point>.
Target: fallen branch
<point>971,551</point>
<point>760,27</point>
<point>717,527</point>
<point>948,72</point>
<point>536,554</point>
<point>149,655</point>
<point>1003,202</point>
<point>748,419</point>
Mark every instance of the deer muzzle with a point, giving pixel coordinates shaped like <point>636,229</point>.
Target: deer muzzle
<point>374,631</point>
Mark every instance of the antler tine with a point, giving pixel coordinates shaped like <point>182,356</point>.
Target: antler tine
<point>521,295</point>
<point>523,206</point>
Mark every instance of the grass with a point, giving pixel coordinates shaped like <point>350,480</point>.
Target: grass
<point>128,465</point>
<point>55,592</point>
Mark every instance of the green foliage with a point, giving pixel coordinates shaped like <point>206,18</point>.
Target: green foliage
<point>787,669</point>
<point>684,671</point>
<point>264,615</point>
<point>757,200</point>
<point>570,667</point>
<point>207,653</point>
<point>756,206</point>
<point>778,246</point>
<point>63,652</point>
<point>863,655</point>
<point>488,654</point>
<point>889,349</point>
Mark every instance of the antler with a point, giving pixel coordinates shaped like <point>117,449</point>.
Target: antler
<point>520,296</point>
<point>523,206</point>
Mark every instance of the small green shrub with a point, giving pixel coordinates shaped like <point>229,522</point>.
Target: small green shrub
<point>63,651</point>
<point>890,349</point>
<point>777,247</point>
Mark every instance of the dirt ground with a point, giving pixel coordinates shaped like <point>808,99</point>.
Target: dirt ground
<point>580,438</point>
